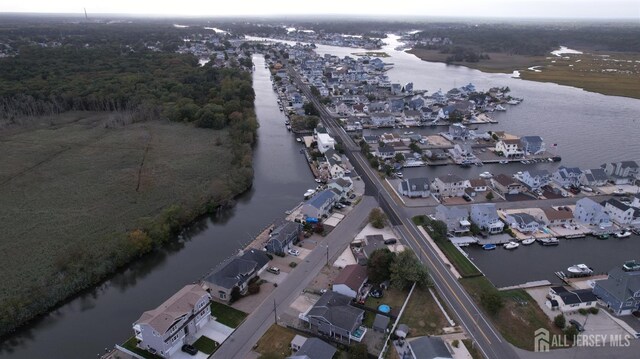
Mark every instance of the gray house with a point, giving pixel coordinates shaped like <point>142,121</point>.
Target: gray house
<point>312,348</point>
<point>567,176</point>
<point>532,145</point>
<point>594,177</point>
<point>524,222</point>
<point>486,217</point>
<point>535,179</point>
<point>621,291</point>
<point>590,212</point>
<point>426,348</point>
<point>415,187</point>
<point>456,218</point>
<point>333,316</point>
<point>283,235</point>
<point>236,272</point>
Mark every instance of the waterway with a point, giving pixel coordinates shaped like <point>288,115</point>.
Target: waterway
<point>98,319</point>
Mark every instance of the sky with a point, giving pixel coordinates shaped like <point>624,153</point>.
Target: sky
<point>580,9</point>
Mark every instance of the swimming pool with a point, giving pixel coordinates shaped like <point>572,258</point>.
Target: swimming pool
<point>384,308</point>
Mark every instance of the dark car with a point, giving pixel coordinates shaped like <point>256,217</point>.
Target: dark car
<point>576,324</point>
<point>345,202</point>
<point>376,293</point>
<point>352,196</point>
<point>189,349</point>
<point>390,241</point>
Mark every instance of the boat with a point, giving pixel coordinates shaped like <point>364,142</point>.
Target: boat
<point>500,108</point>
<point>504,161</point>
<point>511,245</point>
<point>486,175</point>
<point>489,246</point>
<point>513,102</point>
<point>618,192</point>
<point>548,241</point>
<point>631,265</point>
<point>636,231</point>
<point>528,241</point>
<point>524,162</point>
<point>298,139</point>
<point>623,234</point>
<point>309,192</point>
<point>603,236</point>
<point>579,270</point>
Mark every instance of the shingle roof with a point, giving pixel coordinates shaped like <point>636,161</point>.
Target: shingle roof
<point>380,322</point>
<point>314,348</point>
<point>353,276</point>
<point>335,309</point>
<point>179,304</point>
<point>621,284</point>
<point>523,218</point>
<point>429,348</point>
<point>450,178</point>
<point>236,270</point>
<point>321,198</point>
<point>555,214</point>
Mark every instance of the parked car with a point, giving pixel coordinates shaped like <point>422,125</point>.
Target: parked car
<point>294,252</point>
<point>274,270</point>
<point>345,202</point>
<point>189,349</point>
<point>390,241</point>
<point>352,196</point>
<point>576,324</point>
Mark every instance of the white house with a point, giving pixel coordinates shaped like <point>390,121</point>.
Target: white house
<point>620,213</point>
<point>510,148</point>
<point>523,222</point>
<point>567,176</point>
<point>592,213</point>
<point>594,177</point>
<point>415,187</point>
<point>570,300</point>
<point>636,201</point>
<point>382,119</point>
<point>325,142</point>
<point>558,216</point>
<point>163,331</point>
<point>385,152</point>
<point>486,217</point>
<point>343,185</point>
<point>622,169</point>
<point>462,153</point>
<point>334,161</point>
<point>350,280</point>
<point>535,179</point>
<point>449,185</point>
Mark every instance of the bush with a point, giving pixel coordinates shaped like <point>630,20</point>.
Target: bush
<point>455,343</point>
<point>492,301</point>
<point>583,311</point>
<point>571,332</point>
<point>253,288</point>
<point>377,218</point>
<point>593,310</point>
<point>560,321</point>
<point>293,264</point>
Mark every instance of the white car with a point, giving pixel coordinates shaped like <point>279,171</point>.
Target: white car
<point>294,252</point>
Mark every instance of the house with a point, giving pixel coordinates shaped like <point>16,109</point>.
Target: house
<point>620,213</point>
<point>535,179</point>
<point>559,216</point>
<point>623,169</point>
<point>333,316</point>
<point>458,131</point>
<point>283,236</point>
<point>382,119</point>
<point>343,109</point>
<point>507,185</point>
<point>311,348</point>
<point>163,330</point>
<point>377,106</point>
<point>426,348</point>
<point>567,176</point>
<point>436,154</point>
<point>594,177</point>
<point>523,222</point>
<point>462,153</point>
<point>486,217</point>
<point>456,218</point>
<point>325,142</point>
<point>509,148</point>
<point>385,152</point>
<point>477,185</point>
<point>319,205</point>
<point>449,185</point>
<point>415,187</point>
<point>342,185</point>
<point>570,300</point>
<point>620,291</point>
<point>235,272</point>
<point>636,201</point>
<point>532,145</point>
<point>592,213</point>
<point>350,280</point>
<point>334,162</point>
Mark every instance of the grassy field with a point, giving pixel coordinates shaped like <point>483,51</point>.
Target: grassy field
<point>498,62</point>
<point>423,315</point>
<point>392,297</point>
<point>74,188</point>
<point>462,263</point>
<point>227,315</point>
<point>276,341</point>
<point>206,345</point>
<point>131,345</point>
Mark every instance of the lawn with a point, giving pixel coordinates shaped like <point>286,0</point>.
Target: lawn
<point>423,315</point>
<point>392,297</point>
<point>131,345</point>
<point>473,350</point>
<point>227,315</point>
<point>206,345</point>
<point>518,319</point>
<point>459,260</point>
<point>276,340</point>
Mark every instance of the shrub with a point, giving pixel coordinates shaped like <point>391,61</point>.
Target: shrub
<point>571,332</point>
<point>593,310</point>
<point>455,343</point>
<point>583,311</point>
<point>253,288</point>
<point>560,321</point>
<point>492,301</point>
<point>293,264</point>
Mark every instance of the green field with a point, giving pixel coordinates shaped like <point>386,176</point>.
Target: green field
<point>227,315</point>
<point>83,194</point>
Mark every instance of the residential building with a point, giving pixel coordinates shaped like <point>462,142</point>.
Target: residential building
<point>462,154</point>
<point>559,216</point>
<point>507,185</point>
<point>535,179</point>
<point>622,169</point>
<point>426,348</point>
<point>342,185</point>
<point>333,316</point>
<point>620,291</point>
<point>458,131</point>
<point>571,300</point>
<point>592,213</point>
<point>325,142</point>
<point>523,222</point>
<point>594,177</point>
<point>509,148</point>
<point>567,176</point>
<point>283,236</point>
<point>334,162</point>
<point>381,323</point>
<point>486,218</point>
<point>456,218</point>
<point>382,119</point>
<point>319,205</point>
<point>163,330</point>
<point>532,145</point>
<point>636,201</point>
<point>235,272</point>
<point>415,187</point>
<point>620,213</point>
<point>350,280</point>
<point>449,185</point>
<point>477,185</point>
<point>385,152</point>
<point>311,348</point>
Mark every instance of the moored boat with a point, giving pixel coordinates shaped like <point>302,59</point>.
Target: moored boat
<point>548,241</point>
<point>486,175</point>
<point>631,265</point>
<point>623,234</point>
<point>511,245</point>
<point>528,241</point>
<point>579,270</point>
<point>603,236</point>
<point>489,246</point>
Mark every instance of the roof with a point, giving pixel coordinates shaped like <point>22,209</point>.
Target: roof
<point>621,284</point>
<point>380,322</point>
<point>236,270</point>
<point>450,178</point>
<point>570,170</point>
<point>485,208</point>
<point>598,174</point>
<point>531,139</point>
<point>452,212</point>
<point>505,180</point>
<point>353,276</point>
<point>537,173</point>
<point>178,305</point>
<point>335,308</point>
<point>284,230</point>
<point>314,348</point>
<point>558,214</point>
<point>478,182</point>
<point>511,141</point>
<point>321,198</point>
<point>575,296</point>
<point>429,348</point>
<point>619,205</point>
<point>523,218</point>
<point>420,183</point>
<point>631,164</point>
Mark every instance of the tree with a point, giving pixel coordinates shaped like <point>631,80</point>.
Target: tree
<point>358,351</point>
<point>379,264</point>
<point>234,295</point>
<point>399,157</point>
<point>438,230</point>
<point>415,148</point>
<point>571,332</point>
<point>560,321</point>
<point>377,218</point>
<point>475,230</point>
<point>310,109</point>
<point>489,196</point>
<point>140,241</point>
<point>407,269</point>
<point>491,301</point>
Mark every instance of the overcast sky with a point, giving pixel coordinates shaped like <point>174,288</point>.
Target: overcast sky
<point>602,9</point>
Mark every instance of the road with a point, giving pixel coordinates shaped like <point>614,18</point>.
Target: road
<point>468,315</point>
<point>240,343</point>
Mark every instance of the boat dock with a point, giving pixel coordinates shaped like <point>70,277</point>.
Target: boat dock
<point>537,283</point>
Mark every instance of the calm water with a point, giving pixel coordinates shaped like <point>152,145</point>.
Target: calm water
<point>97,320</point>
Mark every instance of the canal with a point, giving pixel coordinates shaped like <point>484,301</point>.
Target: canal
<point>99,318</point>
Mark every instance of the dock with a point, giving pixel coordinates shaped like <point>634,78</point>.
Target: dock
<point>537,283</point>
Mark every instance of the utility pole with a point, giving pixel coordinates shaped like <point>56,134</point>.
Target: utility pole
<point>275,311</point>
<point>327,254</point>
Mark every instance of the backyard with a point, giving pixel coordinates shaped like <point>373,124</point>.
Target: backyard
<point>422,314</point>
<point>227,315</point>
<point>276,341</point>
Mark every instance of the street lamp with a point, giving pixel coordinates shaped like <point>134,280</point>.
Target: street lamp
<point>327,245</point>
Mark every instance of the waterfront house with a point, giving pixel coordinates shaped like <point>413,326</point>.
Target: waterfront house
<point>636,201</point>
<point>458,131</point>
<point>411,117</point>
<point>509,148</point>
<point>456,218</point>
<point>559,216</point>
<point>620,291</point>
<point>449,185</point>
<point>506,185</point>
<point>535,179</point>
<point>283,236</point>
<point>427,348</point>
<point>571,300</point>
<point>567,176</point>
<point>591,212</point>
<point>163,330</point>
<point>342,185</point>
<point>415,187</point>
<point>478,185</point>
<point>594,177</point>
<point>377,107</point>
<point>311,348</point>
<point>621,213</point>
<point>622,172</point>
<point>325,142</point>
<point>385,152</point>
<point>235,272</point>
<point>333,316</point>
<point>532,145</point>
<point>382,119</point>
<point>371,139</point>
<point>334,162</point>
<point>523,222</point>
<point>396,105</point>
<point>436,154</point>
<point>350,280</point>
<point>319,205</point>
<point>462,153</point>
<point>486,218</point>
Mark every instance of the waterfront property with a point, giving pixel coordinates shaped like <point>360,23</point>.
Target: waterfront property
<point>621,213</point>
<point>283,236</point>
<point>415,187</point>
<point>523,222</point>
<point>163,330</point>
<point>532,145</point>
<point>319,205</point>
<point>325,142</point>
<point>571,300</point>
<point>350,280</point>
<point>449,185</point>
<point>235,272</point>
<point>509,148</point>
<point>591,212</point>
<point>456,218</point>
<point>623,172</point>
<point>620,292</point>
<point>342,186</point>
<point>311,348</point>
<point>535,179</point>
<point>567,176</point>
<point>504,184</point>
<point>594,177</point>
<point>559,216</point>
<point>486,218</point>
<point>427,347</point>
<point>333,316</point>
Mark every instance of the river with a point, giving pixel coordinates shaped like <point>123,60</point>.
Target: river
<point>99,318</point>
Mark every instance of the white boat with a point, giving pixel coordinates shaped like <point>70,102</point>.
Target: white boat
<point>528,241</point>
<point>623,234</point>
<point>309,192</point>
<point>299,139</point>
<point>579,270</point>
<point>504,161</point>
<point>511,245</point>
<point>513,102</point>
<point>500,108</point>
<point>549,241</point>
<point>486,175</point>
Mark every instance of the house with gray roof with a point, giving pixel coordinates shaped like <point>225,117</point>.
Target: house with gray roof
<point>622,172</point>
<point>333,316</point>
<point>312,348</point>
<point>426,348</point>
<point>319,205</point>
<point>535,179</point>
<point>621,213</point>
<point>594,177</point>
<point>342,185</point>
<point>449,185</point>
<point>523,222</point>
<point>456,218</point>
<point>235,272</point>
<point>283,236</point>
<point>620,291</point>
<point>380,323</point>
<point>415,187</point>
<point>571,300</point>
<point>567,176</point>
<point>485,216</point>
<point>532,145</point>
<point>592,213</point>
